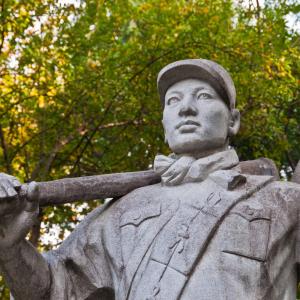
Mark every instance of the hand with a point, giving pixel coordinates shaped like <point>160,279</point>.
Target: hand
<point>17,215</point>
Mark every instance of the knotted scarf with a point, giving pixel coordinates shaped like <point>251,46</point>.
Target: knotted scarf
<point>175,170</point>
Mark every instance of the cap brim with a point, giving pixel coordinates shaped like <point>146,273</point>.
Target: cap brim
<point>186,69</point>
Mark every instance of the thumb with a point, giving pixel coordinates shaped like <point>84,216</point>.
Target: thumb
<point>32,196</point>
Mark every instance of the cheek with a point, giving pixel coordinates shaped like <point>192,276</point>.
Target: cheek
<point>166,125</point>
<point>168,121</point>
<point>216,120</point>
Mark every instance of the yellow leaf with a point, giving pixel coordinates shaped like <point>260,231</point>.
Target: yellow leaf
<point>43,79</point>
<point>34,92</point>
<point>205,10</point>
<point>41,101</point>
<point>23,11</point>
<point>51,92</point>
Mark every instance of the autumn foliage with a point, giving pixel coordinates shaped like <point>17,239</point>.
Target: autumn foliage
<point>78,84</point>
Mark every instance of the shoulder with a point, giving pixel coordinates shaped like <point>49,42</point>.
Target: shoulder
<point>276,200</point>
<point>261,166</point>
<point>140,197</point>
<point>140,204</point>
<point>276,188</point>
<point>287,189</point>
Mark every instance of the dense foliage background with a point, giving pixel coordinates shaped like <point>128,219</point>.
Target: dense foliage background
<point>78,85</point>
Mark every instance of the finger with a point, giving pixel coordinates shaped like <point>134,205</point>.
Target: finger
<point>7,204</point>
<point>14,181</point>
<point>11,192</point>
<point>3,193</point>
<point>9,188</point>
<point>17,184</point>
<point>7,192</point>
<point>4,176</point>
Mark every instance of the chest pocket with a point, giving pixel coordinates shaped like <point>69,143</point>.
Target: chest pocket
<point>247,232</point>
<point>133,226</point>
<point>138,215</point>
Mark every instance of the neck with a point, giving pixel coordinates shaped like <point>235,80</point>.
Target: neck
<point>204,153</point>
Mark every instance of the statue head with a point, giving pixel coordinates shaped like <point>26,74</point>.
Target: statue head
<point>198,97</point>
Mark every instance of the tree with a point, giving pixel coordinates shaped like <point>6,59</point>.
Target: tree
<point>78,93</point>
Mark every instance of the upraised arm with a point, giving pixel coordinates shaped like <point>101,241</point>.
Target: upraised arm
<point>24,269</point>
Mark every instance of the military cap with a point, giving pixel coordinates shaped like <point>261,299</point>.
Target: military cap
<point>202,69</point>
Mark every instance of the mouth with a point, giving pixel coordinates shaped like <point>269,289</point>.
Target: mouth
<point>187,124</point>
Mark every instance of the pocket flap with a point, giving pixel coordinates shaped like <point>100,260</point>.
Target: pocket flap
<point>252,214</point>
<point>138,215</point>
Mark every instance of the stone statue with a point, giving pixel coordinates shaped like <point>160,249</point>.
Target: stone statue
<point>206,232</point>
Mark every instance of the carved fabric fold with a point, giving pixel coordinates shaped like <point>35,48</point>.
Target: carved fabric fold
<point>174,171</point>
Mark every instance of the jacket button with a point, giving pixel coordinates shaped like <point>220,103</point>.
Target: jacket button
<point>249,211</point>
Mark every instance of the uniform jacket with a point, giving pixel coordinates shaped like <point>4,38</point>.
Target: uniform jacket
<point>190,242</point>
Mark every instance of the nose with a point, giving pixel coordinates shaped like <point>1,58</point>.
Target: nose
<point>188,107</point>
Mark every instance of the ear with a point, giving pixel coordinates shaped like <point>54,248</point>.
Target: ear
<point>234,123</point>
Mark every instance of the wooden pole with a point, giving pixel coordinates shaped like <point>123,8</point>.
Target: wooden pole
<point>87,188</point>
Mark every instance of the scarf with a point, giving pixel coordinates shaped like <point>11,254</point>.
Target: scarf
<point>175,171</point>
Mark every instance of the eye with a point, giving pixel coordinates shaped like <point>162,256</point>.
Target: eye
<point>204,96</point>
<point>173,100</point>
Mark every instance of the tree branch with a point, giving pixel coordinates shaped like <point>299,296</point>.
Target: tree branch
<point>5,151</point>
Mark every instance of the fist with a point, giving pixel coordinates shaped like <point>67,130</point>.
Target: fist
<point>17,215</point>
<point>9,199</point>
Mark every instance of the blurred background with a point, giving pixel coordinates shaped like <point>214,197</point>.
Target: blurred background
<point>78,86</point>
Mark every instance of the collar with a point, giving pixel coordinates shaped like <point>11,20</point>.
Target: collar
<point>175,171</point>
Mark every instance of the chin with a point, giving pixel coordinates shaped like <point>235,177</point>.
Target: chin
<point>189,145</point>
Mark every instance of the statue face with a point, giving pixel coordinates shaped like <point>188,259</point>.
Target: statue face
<point>195,119</point>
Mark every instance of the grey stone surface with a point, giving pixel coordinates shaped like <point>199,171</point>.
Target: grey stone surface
<point>207,231</point>
<point>296,175</point>
<point>260,166</point>
<point>68,190</point>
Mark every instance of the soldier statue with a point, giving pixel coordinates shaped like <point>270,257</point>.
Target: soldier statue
<point>207,231</point>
